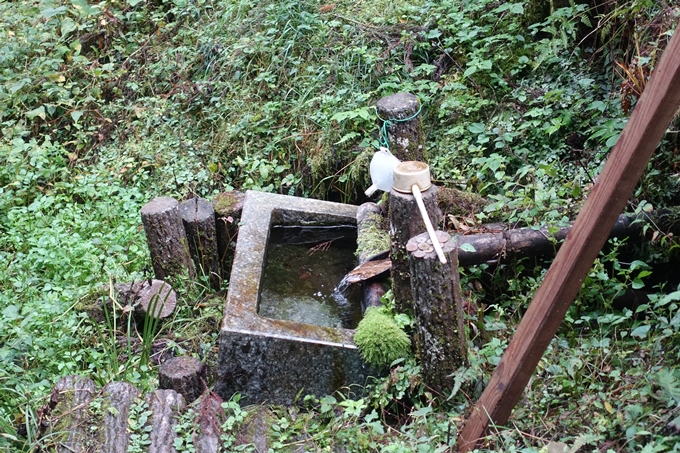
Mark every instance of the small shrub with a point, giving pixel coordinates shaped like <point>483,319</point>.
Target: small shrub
<point>379,338</point>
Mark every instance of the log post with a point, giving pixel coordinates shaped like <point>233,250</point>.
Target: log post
<point>406,222</point>
<point>371,237</point>
<point>166,238</point>
<point>401,126</point>
<point>185,375</point>
<point>165,405</point>
<point>70,414</point>
<point>156,300</point>
<point>369,218</point>
<point>147,299</point>
<point>440,339</point>
<point>119,397</point>
<point>209,421</point>
<point>198,217</point>
<point>228,207</point>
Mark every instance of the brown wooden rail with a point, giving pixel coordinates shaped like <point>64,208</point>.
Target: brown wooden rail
<point>647,124</point>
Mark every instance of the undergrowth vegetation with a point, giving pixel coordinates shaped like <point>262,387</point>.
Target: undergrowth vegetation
<point>105,105</point>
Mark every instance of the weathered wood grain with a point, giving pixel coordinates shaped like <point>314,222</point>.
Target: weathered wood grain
<point>654,111</point>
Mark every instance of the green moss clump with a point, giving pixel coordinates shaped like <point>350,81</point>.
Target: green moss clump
<point>379,338</point>
<point>372,239</point>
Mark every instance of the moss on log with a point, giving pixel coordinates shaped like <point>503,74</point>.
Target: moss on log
<point>403,125</point>
<point>440,340</point>
<point>198,217</point>
<point>228,207</point>
<point>166,238</point>
<point>406,222</point>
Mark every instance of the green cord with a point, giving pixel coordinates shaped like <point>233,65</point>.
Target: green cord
<point>386,123</point>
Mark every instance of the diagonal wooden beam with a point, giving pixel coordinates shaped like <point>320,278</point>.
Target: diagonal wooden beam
<point>654,111</point>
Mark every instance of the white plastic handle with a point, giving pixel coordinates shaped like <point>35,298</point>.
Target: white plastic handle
<point>428,225</point>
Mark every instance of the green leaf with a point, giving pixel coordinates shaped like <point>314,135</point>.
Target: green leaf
<point>596,105</point>
<point>469,71</point>
<point>468,248</point>
<point>422,412</point>
<point>611,141</point>
<point>51,12</point>
<point>82,5</point>
<point>76,115</point>
<point>10,313</point>
<point>40,111</point>
<point>641,332</point>
<point>638,264</point>
<point>434,34</point>
<point>477,128</point>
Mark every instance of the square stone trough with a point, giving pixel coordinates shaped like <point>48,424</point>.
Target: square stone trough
<point>273,360</point>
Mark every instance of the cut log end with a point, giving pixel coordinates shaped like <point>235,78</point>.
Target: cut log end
<point>156,300</point>
<point>166,238</point>
<point>398,106</point>
<point>185,375</point>
<point>159,205</point>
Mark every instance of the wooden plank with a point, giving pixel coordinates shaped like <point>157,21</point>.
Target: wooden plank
<point>654,111</point>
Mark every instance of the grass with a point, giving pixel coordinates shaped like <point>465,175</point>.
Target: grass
<point>104,106</point>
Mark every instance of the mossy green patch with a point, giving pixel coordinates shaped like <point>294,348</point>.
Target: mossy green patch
<point>379,338</point>
<point>372,239</point>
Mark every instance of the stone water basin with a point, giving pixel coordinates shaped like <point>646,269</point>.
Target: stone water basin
<point>278,361</point>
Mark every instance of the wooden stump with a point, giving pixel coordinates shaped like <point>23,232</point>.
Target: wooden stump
<point>166,238</point>
<point>228,207</point>
<point>209,422</point>
<point>371,294</point>
<point>119,396</point>
<point>371,238</point>
<point>74,393</point>
<point>440,339</point>
<point>165,405</point>
<point>156,300</point>
<point>369,220</point>
<point>403,125</point>
<point>148,299</point>
<point>185,375</point>
<point>406,222</point>
<point>198,217</point>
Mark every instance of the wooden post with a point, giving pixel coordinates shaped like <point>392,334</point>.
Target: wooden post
<point>406,222</point>
<point>73,395</point>
<point>119,396</point>
<point>185,375</point>
<point>166,238</point>
<point>209,420</point>
<point>166,405</point>
<point>654,111</point>
<point>440,339</point>
<point>228,207</point>
<point>369,218</point>
<point>198,217</point>
<point>401,126</point>
<point>155,299</point>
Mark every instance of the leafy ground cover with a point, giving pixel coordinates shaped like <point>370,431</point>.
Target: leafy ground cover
<point>106,105</point>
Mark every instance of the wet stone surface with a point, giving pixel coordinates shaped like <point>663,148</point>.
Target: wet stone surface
<point>277,360</point>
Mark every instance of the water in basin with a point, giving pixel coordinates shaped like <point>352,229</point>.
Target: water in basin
<point>303,268</point>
